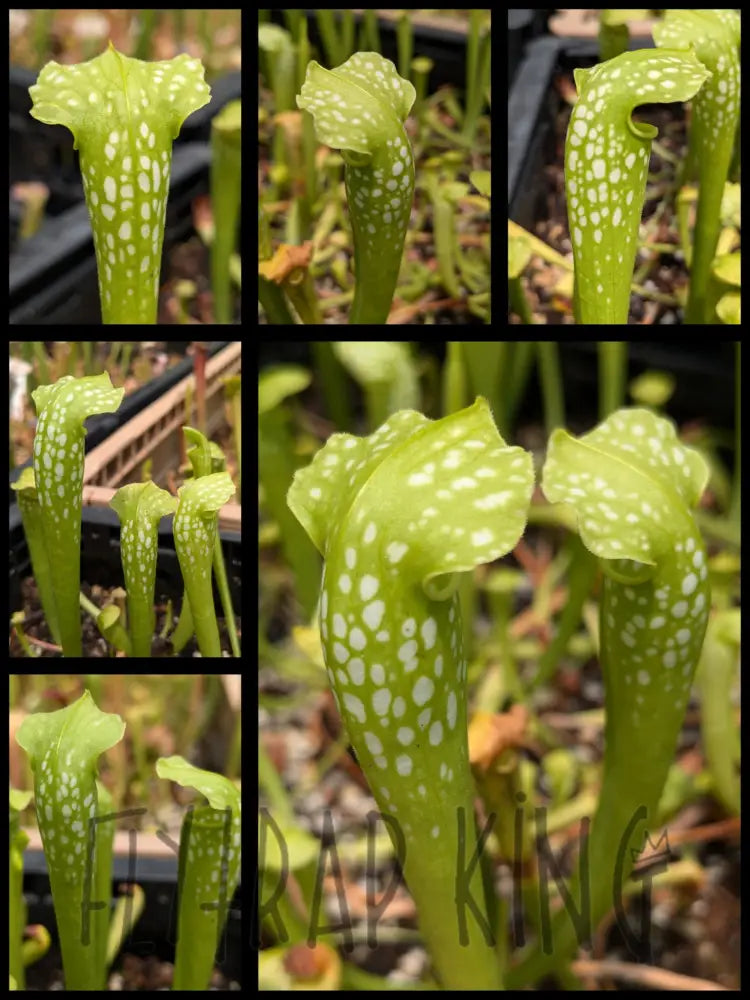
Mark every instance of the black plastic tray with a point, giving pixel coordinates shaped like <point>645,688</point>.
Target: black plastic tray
<point>524,23</point>
<point>703,371</point>
<point>102,425</point>
<point>101,562</point>
<point>533,104</point>
<point>155,932</point>
<point>52,276</point>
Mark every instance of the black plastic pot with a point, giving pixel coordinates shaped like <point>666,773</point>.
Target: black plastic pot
<point>52,276</point>
<point>101,562</point>
<point>703,372</point>
<point>534,104</point>
<point>524,23</point>
<point>531,105</point>
<point>15,217</point>
<point>156,931</point>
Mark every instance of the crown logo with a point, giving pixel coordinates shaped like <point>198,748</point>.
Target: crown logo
<point>651,853</point>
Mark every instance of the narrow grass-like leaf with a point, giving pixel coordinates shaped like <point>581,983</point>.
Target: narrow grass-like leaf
<point>127,912</point>
<point>31,516</point>
<point>206,457</point>
<point>102,881</point>
<point>226,188</point>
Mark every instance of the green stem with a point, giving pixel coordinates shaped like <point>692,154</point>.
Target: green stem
<point>552,384</point>
<point>718,673</point>
<point>222,585</point>
<point>613,370</point>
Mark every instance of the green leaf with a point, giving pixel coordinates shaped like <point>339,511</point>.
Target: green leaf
<point>385,370</point>
<point>63,747</point>
<point>633,485</point>
<point>58,471</point>
<point>124,115</point>
<point>606,163</point>
<point>277,384</point>
<point>398,516</point>
<point>202,453</point>
<point>359,108</point>
<point>209,869</point>
<point>714,36</point>
<point>359,103</point>
<point>194,533</point>
<point>140,507</point>
<point>631,482</point>
<point>220,791</point>
<point>470,490</point>
<point>31,516</point>
<point>18,801</point>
